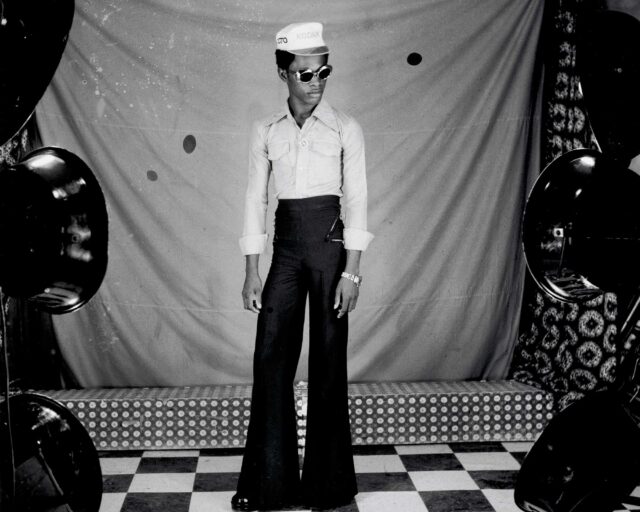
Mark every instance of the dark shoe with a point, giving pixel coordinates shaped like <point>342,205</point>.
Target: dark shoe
<point>242,503</point>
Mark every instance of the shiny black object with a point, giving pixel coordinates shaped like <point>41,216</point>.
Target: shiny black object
<point>57,467</point>
<point>609,67</point>
<point>586,460</point>
<point>581,227</point>
<point>53,231</point>
<point>33,35</point>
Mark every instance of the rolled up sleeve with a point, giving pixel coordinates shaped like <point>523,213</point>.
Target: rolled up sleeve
<point>254,234</point>
<point>354,188</point>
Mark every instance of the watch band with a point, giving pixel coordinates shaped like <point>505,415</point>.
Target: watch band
<point>357,280</point>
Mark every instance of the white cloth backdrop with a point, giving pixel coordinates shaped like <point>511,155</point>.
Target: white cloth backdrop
<point>158,96</point>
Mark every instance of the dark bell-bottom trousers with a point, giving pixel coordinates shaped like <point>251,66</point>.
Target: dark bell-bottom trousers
<point>308,258</point>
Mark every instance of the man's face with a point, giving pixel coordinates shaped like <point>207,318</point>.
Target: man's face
<point>309,93</point>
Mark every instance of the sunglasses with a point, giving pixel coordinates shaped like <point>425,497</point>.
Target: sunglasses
<point>306,75</point>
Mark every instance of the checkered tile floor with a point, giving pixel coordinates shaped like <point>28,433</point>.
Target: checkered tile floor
<point>456,477</point>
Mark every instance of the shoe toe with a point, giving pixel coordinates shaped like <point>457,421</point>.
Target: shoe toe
<point>242,503</point>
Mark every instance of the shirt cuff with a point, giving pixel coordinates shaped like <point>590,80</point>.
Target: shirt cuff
<point>356,239</point>
<point>253,244</point>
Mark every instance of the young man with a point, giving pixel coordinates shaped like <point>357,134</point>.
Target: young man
<point>316,156</point>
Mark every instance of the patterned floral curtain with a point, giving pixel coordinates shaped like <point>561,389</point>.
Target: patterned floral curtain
<point>568,349</point>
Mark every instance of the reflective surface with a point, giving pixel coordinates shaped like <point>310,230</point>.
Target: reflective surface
<point>33,34</point>
<point>607,59</point>
<point>56,462</point>
<point>53,231</point>
<point>586,460</point>
<point>581,227</point>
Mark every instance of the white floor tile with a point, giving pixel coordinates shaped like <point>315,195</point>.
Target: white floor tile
<point>442,481</point>
<point>478,461</point>
<point>112,501</point>
<point>210,502</point>
<point>119,465</point>
<point>397,501</point>
<point>228,464</point>
<point>162,482</point>
<point>501,500</point>
<point>171,453</point>
<point>378,464</point>
<point>216,502</point>
<point>518,446</point>
<point>423,448</point>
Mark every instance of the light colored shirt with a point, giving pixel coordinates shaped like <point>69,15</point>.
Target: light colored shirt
<point>324,157</point>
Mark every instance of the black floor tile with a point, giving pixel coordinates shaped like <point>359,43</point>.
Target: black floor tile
<point>168,465</point>
<point>119,453</point>
<point>221,452</point>
<point>632,500</point>
<point>431,462</point>
<point>477,447</point>
<point>116,483</point>
<point>374,450</point>
<point>157,502</point>
<point>492,479</point>
<point>456,501</point>
<point>213,482</point>
<point>378,482</point>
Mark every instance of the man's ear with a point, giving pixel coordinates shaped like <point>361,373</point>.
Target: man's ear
<point>282,73</point>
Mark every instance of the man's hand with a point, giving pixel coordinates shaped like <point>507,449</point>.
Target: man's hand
<point>346,296</point>
<point>252,289</point>
<point>252,292</point>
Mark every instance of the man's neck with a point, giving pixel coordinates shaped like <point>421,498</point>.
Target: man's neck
<point>300,111</point>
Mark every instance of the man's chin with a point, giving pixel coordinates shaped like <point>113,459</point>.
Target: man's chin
<point>314,98</point>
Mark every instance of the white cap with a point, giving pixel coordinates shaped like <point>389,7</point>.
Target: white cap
<point>302,39</point>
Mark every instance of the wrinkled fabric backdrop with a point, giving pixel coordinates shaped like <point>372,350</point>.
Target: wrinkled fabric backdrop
<point>158,98</point>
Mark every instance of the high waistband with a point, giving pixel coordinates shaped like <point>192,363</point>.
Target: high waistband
<point>308,203</point>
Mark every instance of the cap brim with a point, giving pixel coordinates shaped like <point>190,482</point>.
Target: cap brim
<point>318,50</point>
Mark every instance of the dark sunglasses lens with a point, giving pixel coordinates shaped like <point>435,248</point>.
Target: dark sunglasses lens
<point>324,73</point>
<point>305,76</point>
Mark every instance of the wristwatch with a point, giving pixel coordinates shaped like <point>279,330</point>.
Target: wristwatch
<point>357,280</point>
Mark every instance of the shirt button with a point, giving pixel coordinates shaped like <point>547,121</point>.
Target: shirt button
<point>304,143</point>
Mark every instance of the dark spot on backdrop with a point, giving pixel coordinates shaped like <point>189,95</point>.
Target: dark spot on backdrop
<point>414,59</point>
<point>189,143</point>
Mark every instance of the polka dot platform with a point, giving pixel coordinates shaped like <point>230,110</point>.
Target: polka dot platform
<point>381,413</point>
<point>444,412</point>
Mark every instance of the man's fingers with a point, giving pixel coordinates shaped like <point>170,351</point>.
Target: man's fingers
<point>345,307</point>
<point>349,301</point>
<point>336,302</point>
<point>252,302</point>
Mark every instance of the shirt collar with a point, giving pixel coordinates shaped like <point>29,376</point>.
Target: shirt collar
<point>323,111</point>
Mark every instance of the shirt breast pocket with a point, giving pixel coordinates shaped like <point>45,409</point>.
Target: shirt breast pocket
<point>278,154</point>
<point>326,164</point>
